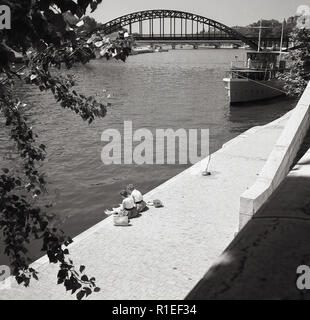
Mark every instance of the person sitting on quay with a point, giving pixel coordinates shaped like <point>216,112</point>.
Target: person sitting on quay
<point>127,208</point>
<point>128,205</point>
<point>137,197</point>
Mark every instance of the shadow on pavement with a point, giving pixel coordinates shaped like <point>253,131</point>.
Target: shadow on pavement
<point>262,261</point>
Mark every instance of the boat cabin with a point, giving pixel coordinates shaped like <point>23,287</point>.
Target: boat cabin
<point>262,60</point>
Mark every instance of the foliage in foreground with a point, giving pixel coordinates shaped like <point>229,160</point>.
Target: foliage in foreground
<point>47,32</point>
<point>297,75</point>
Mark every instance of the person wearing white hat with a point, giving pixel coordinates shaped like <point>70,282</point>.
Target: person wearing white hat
<point>129,205</point>
<point>137,197</point>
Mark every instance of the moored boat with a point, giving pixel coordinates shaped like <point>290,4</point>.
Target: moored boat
<point>141,50</point>
<point>161,49</point>
<point>256,78</point>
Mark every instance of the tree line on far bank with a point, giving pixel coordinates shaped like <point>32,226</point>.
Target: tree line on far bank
<point>271,28</point>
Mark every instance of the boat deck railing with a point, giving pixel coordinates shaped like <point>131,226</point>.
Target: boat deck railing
<point>255,65</point>
<point>253,74</point>
<point>238,64</point>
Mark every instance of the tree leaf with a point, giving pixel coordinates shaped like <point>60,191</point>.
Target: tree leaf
<point>84,278</point>
<point>80,295</point>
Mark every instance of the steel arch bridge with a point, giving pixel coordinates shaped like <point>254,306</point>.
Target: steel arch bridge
<point>215,30</point>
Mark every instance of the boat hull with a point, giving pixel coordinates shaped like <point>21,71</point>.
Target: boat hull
<point>141,50</point>
<point>245,90</point>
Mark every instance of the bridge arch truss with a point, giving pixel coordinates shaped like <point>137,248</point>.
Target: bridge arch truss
<point>214,30</point>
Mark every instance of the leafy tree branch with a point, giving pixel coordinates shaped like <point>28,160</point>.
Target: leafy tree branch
<point>45,32</point>
<point>297,75</point>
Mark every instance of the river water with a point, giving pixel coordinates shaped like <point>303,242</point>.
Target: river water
<point>177,89</point>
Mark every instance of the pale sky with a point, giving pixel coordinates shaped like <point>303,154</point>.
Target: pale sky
<point>229,12</point>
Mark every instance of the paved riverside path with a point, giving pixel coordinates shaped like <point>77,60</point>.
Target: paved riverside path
<point>262,262</point>
<point>167,251</point>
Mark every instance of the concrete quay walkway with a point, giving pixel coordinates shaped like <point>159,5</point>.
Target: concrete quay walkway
<point>167,251</point>
<point>262,262</point>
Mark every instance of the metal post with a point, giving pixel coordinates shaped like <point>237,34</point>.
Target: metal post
<point>174,28</point>
<point>186,27</point>
<point>163,27</point>
<point>192,28</point>
<point>151,27</point>
<point>181,27</point>
<point>197,29</point>
<point>281,42</point>
<point>260,36</point>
